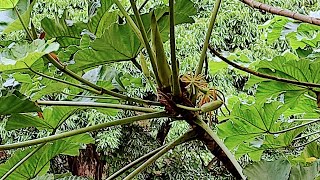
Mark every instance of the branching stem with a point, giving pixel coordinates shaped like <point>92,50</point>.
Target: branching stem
<point>83,130</point>
<point>95,104</point>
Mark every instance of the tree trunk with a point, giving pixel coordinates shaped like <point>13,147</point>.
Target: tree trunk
<point>87,164</point>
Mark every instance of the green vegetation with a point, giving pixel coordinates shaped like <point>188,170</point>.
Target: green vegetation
<point>181,89</point>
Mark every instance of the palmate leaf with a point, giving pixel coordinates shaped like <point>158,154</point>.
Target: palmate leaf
<point>52,117</point>
<point>247,129</point>
<point>22,56</point>
<point>68,33</point>
<point>15,102</point>
<point>255,147</point>
<point>114,42</point>
<point>303,70</point>
<point>118,43</point>
<point>39,163</point>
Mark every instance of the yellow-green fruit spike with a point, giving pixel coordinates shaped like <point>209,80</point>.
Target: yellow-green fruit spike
<point>144,66</point>
<point>163,67</point>
<point>210,106</point>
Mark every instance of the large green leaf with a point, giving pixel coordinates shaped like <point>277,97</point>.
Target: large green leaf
<point>16,24</point>
<point>247,130</point>
<point>8,4</point>
<point>20,56</point>
<point>115,42</point>
<point>302,70</point>
<point>102,19</point>
<point>118,43</point>
<point>279,169</point>
<point>65,33</point>
<point>39,163</point>
<point>52,117</point>
<point>16,103</point>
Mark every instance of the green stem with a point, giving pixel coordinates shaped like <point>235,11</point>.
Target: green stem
<point>184,138</point>
<point>307,135</point>
<point>208,35</point>
<point>135,162</point>
<point>206,128</point>
<point>127,120</point>
<point>64,82</point>
<point>21,161</point>
<point>266,76</point>
<point>174,61</point>
<point>188,108</point>
<point>94,97</point>
<point>23,25</point>
<point>145,41</point>
<point>101,90</point>
<point>296,127</point>
<point>94,104</point>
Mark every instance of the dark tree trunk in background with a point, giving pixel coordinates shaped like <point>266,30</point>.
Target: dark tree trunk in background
<point>87,164</point>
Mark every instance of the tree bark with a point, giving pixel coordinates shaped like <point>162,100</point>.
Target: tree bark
<point>87,164</point>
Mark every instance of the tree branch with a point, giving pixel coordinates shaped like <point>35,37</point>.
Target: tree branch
<point>266,76</point>
<point>282,12</point>
<point>127,120</point>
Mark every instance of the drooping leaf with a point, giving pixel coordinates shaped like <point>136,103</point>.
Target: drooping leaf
<point>39,163</point>
<point>52,117</point>
<point>263,170</point>
<point>22,56</point>
<point>15,102</point>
